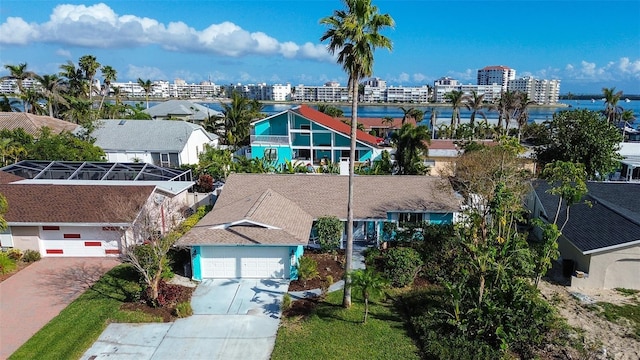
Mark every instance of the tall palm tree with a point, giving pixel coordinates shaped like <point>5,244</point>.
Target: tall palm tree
<point>354,33</point>
<point>411,143</point>
<point>506,105</point>
<point>19,73</point>
<point>456,98</point>
<point>233,129</point>
<point>433,120</point>
<point>521,113</point>
<point>147,86</point>
<point>31,101</point>
<point>74,79</point>
<point>411,113</point>
<point>89,65</point>
<point>475,103</point>
<point>109,75</point>
<point>612,111</point>
<point>52,88</point>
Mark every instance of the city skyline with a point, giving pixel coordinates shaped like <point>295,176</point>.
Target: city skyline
<point>242,41</point>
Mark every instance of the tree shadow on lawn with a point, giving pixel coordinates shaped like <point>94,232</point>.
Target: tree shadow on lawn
<point>66,284</point>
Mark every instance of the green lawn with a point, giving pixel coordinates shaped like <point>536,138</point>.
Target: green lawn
<point>337,333</point>
<point>78,326</point>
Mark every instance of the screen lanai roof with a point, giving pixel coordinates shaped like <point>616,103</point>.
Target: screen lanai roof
<point>75,172</point>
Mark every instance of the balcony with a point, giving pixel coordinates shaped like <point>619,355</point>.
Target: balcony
<point>270,139</point>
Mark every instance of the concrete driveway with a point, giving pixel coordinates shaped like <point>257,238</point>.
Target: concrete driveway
<point>233,319</point>
<point>36,294</point>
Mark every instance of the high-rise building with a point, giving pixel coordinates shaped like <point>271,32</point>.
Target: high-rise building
<point>538,91</point>
<point>500,75</point>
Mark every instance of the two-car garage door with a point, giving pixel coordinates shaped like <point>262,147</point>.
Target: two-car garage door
<point>245,262</point>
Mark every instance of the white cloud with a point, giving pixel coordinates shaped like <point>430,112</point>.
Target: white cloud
<point>624,69</point>
<point>64,53</point>
<point>98,26</point>
<point>145,72</point>
<point>419,77</point>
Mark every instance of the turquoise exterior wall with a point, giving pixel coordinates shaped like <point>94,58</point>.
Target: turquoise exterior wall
<point>277,125</point>
<point>196,269</point>
<point>440,218</point>
<point>297,251</point>
<point>284,152</point>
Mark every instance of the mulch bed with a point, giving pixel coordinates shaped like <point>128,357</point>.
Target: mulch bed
<point>328,264</point>
<point>178,294</point>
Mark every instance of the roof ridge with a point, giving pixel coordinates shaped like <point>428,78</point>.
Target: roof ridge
<point>615,208</point>
<point>258,203</point>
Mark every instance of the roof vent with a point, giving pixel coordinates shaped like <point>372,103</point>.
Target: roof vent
<point>122,122</point>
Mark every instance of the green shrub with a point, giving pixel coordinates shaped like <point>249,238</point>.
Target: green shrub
<point>401,265</point>
<point>14,254</point>
<point>329,230</point>
<point>307,269</point>
<point>325,284</point>
<point>183,309</point>
<point>286,302</point>
<point>371,255</point>
<point>7,264</point>
<point>31,256</point>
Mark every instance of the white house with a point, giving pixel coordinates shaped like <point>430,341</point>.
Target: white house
<point>167,143</point>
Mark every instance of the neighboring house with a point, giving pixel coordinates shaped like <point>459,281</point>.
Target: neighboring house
<point>260,224</point>
<point>32,124</point>
<point>80,208</point>
<point>630,164</point>
<point>166,143</point>
<point>303,134</point>
<point>381,127</point>
<point>182,110</point>
<point>601,240</point>
<point>442,155</point>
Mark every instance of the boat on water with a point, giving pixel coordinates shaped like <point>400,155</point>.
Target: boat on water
<point>627,100</point>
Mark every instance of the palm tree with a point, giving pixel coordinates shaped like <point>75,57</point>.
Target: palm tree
<point>89,65</point>
<point>19,73</point>
<point>109,74</point>
<point>147,86</point>
<point>76,86</point>
<point>475,103</point>
<point>433,120</point>
<point>455,97</point>
<point>521,113</point>
<point>612,111</point>
<point>330,110</point>
<point>9,105</point>
<point>412,113</point>
<point>411,143</point>
<point>52,90</point>
<point>233,129</point>
<point>354,33</point>
<point>506,105</point>
<point>31,101</point>
<point>370,284</point>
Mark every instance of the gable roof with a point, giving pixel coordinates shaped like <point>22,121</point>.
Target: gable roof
<point>334,124</point>
<point>612,220</point>
<point>50,204</point>
<point>258,218</point>
<point>33,123</point>
<point>183,109</point>
<point>145,135</point>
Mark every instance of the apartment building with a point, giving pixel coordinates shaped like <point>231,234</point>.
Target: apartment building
<point>539,91</point>
<point>500,75</point>
<point>445,85</point>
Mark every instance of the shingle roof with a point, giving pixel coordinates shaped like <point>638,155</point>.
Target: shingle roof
<point>30,203</point>
<point>33,123</point>
<point>182,108</point>
<point>303,197</point>
<point>612,220</point>
<point>6,178</point>
<point>259,218</point>
<point>334,124</point>
<point>144,135</point>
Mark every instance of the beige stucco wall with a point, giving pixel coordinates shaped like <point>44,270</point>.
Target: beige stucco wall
<point>26,237</point>
<point>612,269</point>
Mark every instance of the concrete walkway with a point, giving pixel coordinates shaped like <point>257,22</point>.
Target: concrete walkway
<point>233,319</point>
<point>36,294</point>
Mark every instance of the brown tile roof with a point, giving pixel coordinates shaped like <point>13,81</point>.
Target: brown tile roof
<point>33,123</point>
<point>6,178</point>
<point>34,203</point>
<point>258,218</point>
<point>380,123</point>
<point>334,124</point>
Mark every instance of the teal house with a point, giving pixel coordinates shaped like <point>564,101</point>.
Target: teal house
<point>310,137</point>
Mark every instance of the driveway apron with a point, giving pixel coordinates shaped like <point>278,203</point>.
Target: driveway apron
<point>233,319</point>
<point>36,294</point>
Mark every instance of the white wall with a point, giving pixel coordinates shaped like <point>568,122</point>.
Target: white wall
<point>194,146</point>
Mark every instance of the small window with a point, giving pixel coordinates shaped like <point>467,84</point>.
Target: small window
<point>412,218</point>
<point>271,154</point>
<point>305,127</point>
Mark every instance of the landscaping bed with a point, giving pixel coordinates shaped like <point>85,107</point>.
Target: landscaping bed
<point>329,264</point>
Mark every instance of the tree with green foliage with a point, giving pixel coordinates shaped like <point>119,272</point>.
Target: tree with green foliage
<point>330,110</point>
<point>234,128</point>
<point>215,162</point>
<point>63,147</point>
<point>411,143</point>
<point>370,284</point>
<point>612,110</point>
<point>89,66</point>
<point>582,136</point>
<point>456,99</point>
<point>476,104</point>
<point>147,87</point>
<point>354,33</point>
<point>109,75</point>
<point>411,113</point>
<point>329,230</point>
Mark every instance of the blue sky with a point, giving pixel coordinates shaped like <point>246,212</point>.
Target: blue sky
<point>588,45</point>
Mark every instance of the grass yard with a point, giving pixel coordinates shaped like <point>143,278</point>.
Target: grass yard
<point>332,332</point>
<point>616,313</point>
<point>78,326</point>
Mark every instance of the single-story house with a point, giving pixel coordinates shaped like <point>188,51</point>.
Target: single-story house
<point>32,124</point>
<point>166,143</point>
<point>304,134</point>
<point>260,224</point>
<point>88,209</point>
<point>182,110</point>
<point>381,126</point>
<point>601,240</point>
<point>630,163</point>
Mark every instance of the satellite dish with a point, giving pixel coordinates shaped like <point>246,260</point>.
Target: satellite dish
<point>158,199</point>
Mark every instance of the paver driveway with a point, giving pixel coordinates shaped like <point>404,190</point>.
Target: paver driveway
<point>233,319</point>
<point>37,293</point>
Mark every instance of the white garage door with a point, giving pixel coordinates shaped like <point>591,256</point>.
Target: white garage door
<point>245,262</point>
<point>79,241</point>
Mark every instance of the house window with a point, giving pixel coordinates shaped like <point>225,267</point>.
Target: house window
<point>411,218</point>
<point>305,127</point>
<point>271,154</point>
<point>51,228</point>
